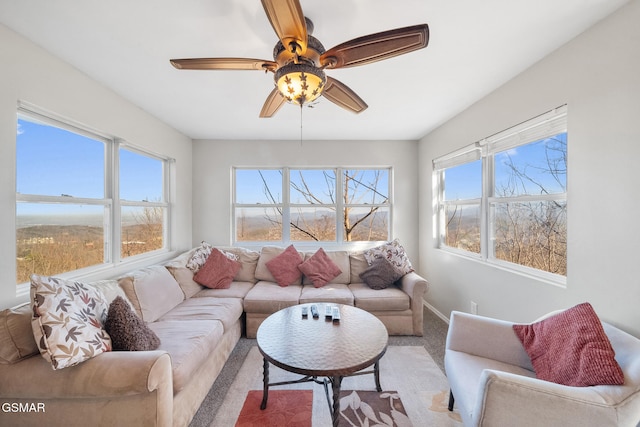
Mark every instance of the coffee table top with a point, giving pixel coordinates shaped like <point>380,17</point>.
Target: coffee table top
<point>320,347</point>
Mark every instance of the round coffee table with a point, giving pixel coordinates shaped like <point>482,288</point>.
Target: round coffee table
<point>320,347</point>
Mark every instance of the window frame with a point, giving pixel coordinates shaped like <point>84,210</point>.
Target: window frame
<point>286,205</point>
<point>538,128</point>
<point>111,202</point>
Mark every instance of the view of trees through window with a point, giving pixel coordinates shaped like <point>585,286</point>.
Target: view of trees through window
<point>320,204</point>
<point>525,199</point>
<point>64,215</point>
<point>531,230</point>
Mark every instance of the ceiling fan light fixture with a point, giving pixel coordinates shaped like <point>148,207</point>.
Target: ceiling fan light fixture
<point>300,83</point>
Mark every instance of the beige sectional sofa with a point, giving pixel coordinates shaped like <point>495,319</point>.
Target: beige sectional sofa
<point>198,328</point>
<point>398,307</point>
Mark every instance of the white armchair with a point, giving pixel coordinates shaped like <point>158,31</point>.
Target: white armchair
<point>493,383</point>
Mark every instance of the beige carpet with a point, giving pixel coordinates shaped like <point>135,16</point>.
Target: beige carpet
<point>410,370</point>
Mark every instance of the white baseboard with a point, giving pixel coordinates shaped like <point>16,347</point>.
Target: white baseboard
<point>436,312</point>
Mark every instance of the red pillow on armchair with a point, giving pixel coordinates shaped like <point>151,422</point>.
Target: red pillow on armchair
<point>571,348</point>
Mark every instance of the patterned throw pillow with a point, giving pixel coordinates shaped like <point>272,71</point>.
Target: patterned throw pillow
<point>394,253</point>
<point>68,320</point>
<point>571,348</point>
<point>128,332</point>
<point>320,269</point>
<point>284,267</point>
<point>218,271</point>
<point>201,254</point>
<point>381,274</point>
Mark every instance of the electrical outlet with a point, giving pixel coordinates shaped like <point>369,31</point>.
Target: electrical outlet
<point>474,307</point>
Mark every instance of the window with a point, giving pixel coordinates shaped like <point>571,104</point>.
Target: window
<point>325,205</point>
<point>68,213</point>
<point>143,208</point>
<point>504,199</point>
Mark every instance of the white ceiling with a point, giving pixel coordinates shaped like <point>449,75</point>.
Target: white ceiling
<point>475,46</point>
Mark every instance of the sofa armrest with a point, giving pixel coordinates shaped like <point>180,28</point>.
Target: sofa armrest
<point>106,375</point>
<point>507,399</point>
<point>486,337</point>
<point>415,286</point>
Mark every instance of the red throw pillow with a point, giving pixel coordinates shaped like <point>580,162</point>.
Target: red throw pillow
<point>284,267</point>
<point>218,271</point>
<point>571,348</point>
<point>320,269</point>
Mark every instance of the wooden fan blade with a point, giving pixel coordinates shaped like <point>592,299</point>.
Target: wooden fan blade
<point>224,64</point>
<point>288,22</point>
<point>341,95</point>
<point>274,101</point>
<point>376,47</point>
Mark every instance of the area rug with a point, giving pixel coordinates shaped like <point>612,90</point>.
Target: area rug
<point>372,408</point>
<point>419,390</point>
<point>286,408</point>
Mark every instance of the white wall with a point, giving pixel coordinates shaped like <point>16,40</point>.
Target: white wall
<point>213,161</point>
<point>30,74</point>
<point>598,76</point>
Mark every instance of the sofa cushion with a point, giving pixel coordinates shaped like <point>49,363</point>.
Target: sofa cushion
<point>218,271</point>
<point>389,299</point>
<point>319,268</point>
<point>184,277</point>
<point>571,348</point>
<point>269,297</point>
<point>226,310</point>
<point>128,332</point>
<point>267,253</point>
<point>248,262</point>
<point>68,320</point>
<point>189,343</point>
<point>392,251</point>
<point>357,264</point>
<point>235,290</point>
<point>152,290</point>
<point>336,293</point>
<point>381,274</point>
<point>182,259</point>
<point>110,288</point>
<point>16,336</point>
<point>284,267</point>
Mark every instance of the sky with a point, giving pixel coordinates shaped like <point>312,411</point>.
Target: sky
<point>464,181</point>
<point>250,185</point>
<point>52,161</point>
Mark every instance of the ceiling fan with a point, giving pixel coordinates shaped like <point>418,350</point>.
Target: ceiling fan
<point>300,59</point>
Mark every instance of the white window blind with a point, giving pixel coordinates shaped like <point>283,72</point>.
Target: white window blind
<point>458,157</point>
<point>544,126</point>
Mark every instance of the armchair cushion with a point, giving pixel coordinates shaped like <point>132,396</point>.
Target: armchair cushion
<point>571,348</point>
